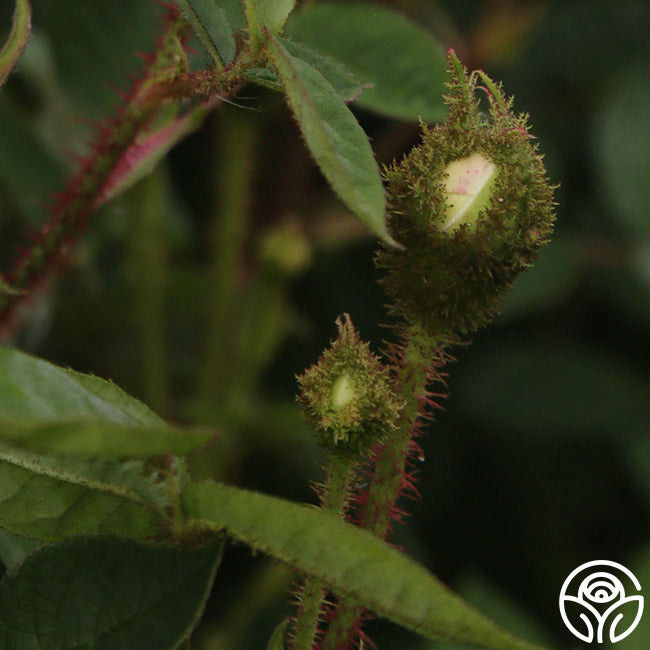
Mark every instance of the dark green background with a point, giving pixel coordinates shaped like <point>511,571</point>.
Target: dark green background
<point>541,460</point>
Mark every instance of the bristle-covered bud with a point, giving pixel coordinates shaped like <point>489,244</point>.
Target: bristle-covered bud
<point>348,396</point>
<point>471,206</point>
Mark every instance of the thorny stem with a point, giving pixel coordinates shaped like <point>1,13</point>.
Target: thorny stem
<point>335,494</point>
<point>165,81</point>
<point>421,360</point>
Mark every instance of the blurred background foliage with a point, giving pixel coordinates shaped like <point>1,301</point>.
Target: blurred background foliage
<point>212,283</point>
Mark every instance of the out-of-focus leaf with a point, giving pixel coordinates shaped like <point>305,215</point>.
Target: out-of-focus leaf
<point>17,41</point>
<point>211,26</point>
<point>621,135</point>
<point>627,293</point>
<point>95,46</point>
<point>334,137</point>
<point>404,65</point>
<point>348,559</point>
<point>106,592</point>
<point>14,549</point>
<point>639,564</point>
<point>554,391</point>
<point>486,598</point>
<point>29,171</point>
<point>638,459</point>
<point>551,279</point>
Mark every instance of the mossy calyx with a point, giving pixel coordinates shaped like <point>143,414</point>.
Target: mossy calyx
<point>348,396</point>
<point>471,206</point>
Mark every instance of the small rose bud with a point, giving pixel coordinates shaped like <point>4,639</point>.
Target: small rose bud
<point>471,206</point>
<point>348,396</point>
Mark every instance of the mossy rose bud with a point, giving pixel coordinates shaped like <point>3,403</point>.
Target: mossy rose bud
<point>348,396</point>
<point>471,206</point>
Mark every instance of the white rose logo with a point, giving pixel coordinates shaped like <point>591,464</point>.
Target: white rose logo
<point>594,603</point>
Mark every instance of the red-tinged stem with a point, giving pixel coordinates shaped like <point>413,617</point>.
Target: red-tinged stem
<point>165,80</point>
<point>419,365</point>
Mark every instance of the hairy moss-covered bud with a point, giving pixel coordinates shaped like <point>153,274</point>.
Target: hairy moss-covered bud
<point>348,396</point>
<point>471,206</point>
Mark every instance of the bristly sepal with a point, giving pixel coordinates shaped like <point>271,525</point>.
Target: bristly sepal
<point>471,205</point>
<point>348,397</point>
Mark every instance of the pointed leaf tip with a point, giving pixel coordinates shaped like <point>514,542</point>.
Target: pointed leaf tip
<point>336,140</point>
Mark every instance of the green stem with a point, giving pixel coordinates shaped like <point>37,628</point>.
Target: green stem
<point>147,278</point>
<point>237,141</point>
<point>334,499</point>
<point>421,354</point>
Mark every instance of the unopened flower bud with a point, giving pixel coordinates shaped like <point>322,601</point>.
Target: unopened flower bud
<point>471,206</point>
<point>348,396</point>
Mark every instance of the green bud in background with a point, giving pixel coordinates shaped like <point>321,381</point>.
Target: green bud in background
<point>471,206</point>
<point>348,396</point>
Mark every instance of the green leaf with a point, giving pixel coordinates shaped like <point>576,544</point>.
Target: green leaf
<point>17,41</point>
<point>51,498</point>
<point>550,392</point>
<point>345,84</point>
<point>101,439</point>
<point>106,593</point>
<point>14,549</point>
<point>31,388</point>
<point>343,81</point>
<point>52,410</point>
<point>269,14</point>
<point>549,282</point>
<point>334,137</point>
<point>621,136</point>
<point>95,44</point>
<point>276,642</point>
<point>401,61</point>
<point>349,560</point>
<point>500,607</point>
<point>234,11</point>
<point>211,26</point>
<point>29,171</point>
